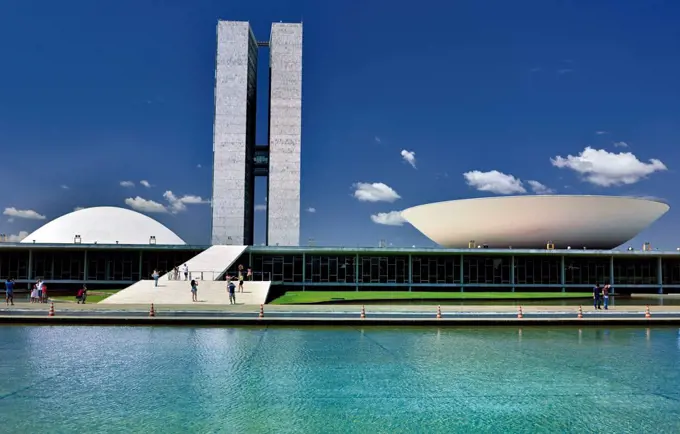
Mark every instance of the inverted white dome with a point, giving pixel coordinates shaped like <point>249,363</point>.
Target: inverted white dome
<point>595,222</point>
<point>103,225</point>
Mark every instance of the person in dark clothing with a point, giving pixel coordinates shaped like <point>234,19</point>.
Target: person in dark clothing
<point>194,290</point>
<point>9,292</point>
<point>231,288</point>
<point>81,296</point>
<point>596,296</point>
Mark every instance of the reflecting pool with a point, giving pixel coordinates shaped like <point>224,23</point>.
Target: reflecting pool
<point>339,380</point>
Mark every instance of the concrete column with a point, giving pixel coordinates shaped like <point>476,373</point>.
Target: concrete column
<point>29,272</point>
<point>141,252</point>
<point>462,273</point>
<point>611,273</point>
<point>563,274</point>
<point>85,266</point>
<point>356,272</point>
<point>304,270</point>
<point>52,266</point>
<point>410,271</point>
<point>512,272</point>
<point>659,273</point>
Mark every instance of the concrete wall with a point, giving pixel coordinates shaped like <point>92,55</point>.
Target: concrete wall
<point>285,128</point>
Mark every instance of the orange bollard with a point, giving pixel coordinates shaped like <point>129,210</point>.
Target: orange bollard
<point>520,314</point>
<point>261,315</point>
<point>51,312</point>
<point>363,312</point>
<point>648,314</point>
<point>439,312</point>
<point>152,311</point>
<point>580,312</point>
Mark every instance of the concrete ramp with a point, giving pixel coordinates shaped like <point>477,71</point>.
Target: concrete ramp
<point>204,268</point>
<point>178,292</point>
<point>210,263</point>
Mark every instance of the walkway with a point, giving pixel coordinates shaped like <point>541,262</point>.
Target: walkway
<point>203,314</point>
<point>205,268</point>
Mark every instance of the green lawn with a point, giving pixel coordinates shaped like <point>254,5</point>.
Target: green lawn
<point>93,295</point>
<point>307,297</point>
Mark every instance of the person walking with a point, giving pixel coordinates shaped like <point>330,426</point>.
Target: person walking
<point>232,292</point>
<point>186,272</point>
<point>194,290</point>
<point>9,291</point>
<point>596,296</point>
<point>155,276</point>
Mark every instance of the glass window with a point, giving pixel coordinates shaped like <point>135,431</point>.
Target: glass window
<point>671,271</point>
<point>538,270</point>
<point>635,271</point>
<point>586,270</point>
<point>478,269</point>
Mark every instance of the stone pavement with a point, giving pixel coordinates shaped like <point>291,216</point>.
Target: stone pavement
<point>337,308</point>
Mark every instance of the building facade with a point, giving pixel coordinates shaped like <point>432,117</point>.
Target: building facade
<point>350,269</point>
<point>237,159</point>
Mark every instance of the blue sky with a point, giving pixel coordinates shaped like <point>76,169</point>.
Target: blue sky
<point>96,93</point>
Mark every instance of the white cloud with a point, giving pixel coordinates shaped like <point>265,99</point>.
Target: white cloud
<point>377,139</point>
<point>620,144</point>
<point>143,205</point>
<point>15,238</point>
<point>539,188</point>
<point>374,192</point>
<point>145,183</point>
<point>311,209</point>
<point>607,169</point>
<point>127,184</point>
<point>392,218</point>
<point>64,186</point>
<point>178,204</point>
<point>494,182</point>
<point>599,133</point>
<point>23,214</point>
<point>198,166</point>
<point>260,207</point>
<point>409,157</point>
<point>78,208</point>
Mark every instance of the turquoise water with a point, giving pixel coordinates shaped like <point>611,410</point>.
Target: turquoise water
<point>339,380</point>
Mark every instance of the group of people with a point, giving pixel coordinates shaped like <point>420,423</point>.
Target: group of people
<point>175,275</point>
<point>231,286</point>
<point>601,296</point>
<point>39,292</point>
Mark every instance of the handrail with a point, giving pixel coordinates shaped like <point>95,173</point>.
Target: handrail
<point>256,276</point>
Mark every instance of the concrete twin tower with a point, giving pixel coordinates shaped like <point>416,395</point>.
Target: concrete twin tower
<point>237,159</point>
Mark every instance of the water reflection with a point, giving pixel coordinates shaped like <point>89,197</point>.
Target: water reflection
<point>339,379</point>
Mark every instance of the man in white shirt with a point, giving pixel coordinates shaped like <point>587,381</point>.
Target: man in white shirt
<point>186,272</point>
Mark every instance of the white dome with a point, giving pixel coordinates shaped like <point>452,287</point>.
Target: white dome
<point>595,222</point>
<point>103,225</point>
